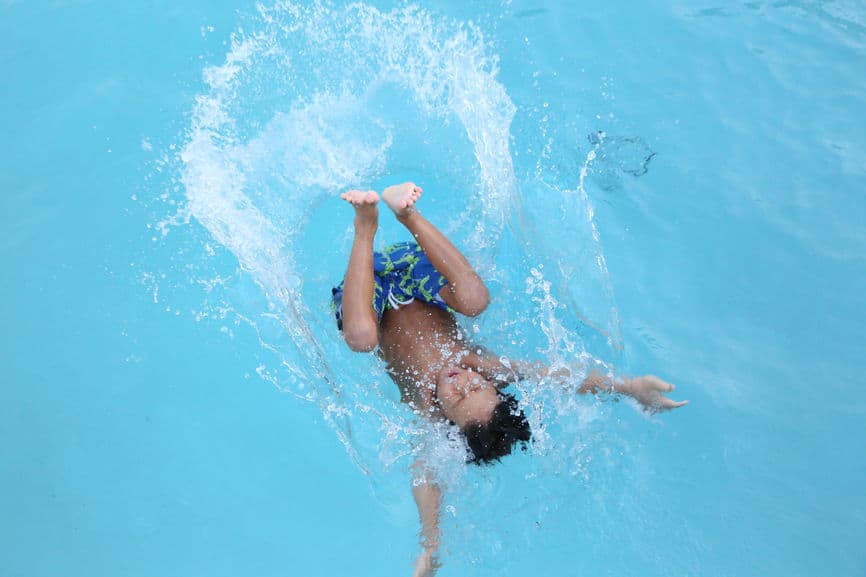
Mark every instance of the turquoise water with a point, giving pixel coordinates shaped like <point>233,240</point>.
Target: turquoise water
<point>673,187</point>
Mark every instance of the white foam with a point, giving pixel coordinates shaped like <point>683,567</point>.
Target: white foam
<point>286,120</point>
<point>614,335</point>
<point>309,102</point>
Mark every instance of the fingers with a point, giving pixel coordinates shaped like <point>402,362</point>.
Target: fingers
<point>666,404</point>
<point>661,385</point>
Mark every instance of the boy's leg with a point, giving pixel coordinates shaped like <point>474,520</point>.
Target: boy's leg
<point>465,291</point>
<point>360,322</point>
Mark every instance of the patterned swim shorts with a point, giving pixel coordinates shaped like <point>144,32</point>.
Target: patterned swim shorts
<point>401,274</point>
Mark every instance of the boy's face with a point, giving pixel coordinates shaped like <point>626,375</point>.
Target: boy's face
<point>465,396</point>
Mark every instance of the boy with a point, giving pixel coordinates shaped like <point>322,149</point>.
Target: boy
<point>415,288</point>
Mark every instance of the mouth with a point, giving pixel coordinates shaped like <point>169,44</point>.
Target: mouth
<point>452,374</point>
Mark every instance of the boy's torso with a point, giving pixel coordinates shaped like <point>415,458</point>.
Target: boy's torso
<point>418,341</point>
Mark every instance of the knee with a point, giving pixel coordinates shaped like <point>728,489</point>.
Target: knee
<point>474,299</point>
<point>361,339</point>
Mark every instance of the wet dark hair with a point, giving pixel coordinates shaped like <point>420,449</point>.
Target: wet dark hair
<point>493,440</point>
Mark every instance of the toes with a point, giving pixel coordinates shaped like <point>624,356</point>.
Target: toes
<point>357,197</point>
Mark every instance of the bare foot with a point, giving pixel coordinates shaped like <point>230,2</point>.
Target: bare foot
<point>366,203</point>
<point>401,198</point>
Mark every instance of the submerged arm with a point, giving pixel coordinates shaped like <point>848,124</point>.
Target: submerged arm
<point>427,497</point>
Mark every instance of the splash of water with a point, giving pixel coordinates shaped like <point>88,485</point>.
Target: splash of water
<point>614,337</point>
<point>295,113</point>
<point>312,99</point>
<point>317,98</point>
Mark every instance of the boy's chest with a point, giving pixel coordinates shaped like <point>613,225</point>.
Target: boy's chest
<point>417,341</point>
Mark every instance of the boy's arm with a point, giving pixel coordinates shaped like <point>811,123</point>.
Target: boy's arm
<point>648,390</point>
<point>427,497</point>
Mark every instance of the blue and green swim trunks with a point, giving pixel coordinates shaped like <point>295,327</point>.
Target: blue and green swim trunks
<point>401,274</point>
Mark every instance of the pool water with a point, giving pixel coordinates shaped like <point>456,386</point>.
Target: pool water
<point>671,187</point>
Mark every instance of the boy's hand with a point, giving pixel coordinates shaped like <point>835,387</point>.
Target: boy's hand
<point>650,391</point>
<point>426,564</point>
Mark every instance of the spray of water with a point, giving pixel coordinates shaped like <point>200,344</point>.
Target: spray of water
<point>314,98</point>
